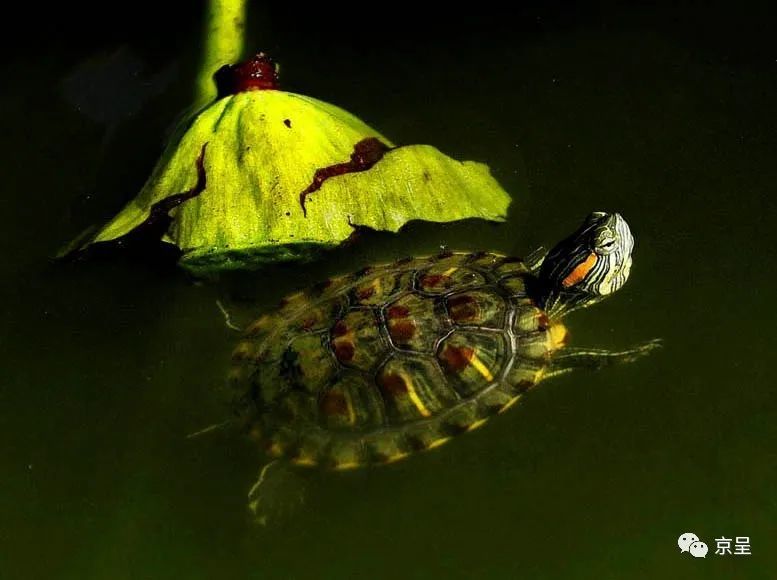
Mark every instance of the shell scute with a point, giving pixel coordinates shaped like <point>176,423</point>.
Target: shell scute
<point>386,446</point>
<point>381,288</point>
<point>483,260</point>
<point>373,366</point>
<point>477,308</point>
<point>523,375</point>
<point>315,316</point>
<point>356,340</point>
<point>447,274</point>
<point>350,404</point>
<point>413,323</point>
<point>461,419</point>
<point>412,388</point>
<point>514,286</point>
<point>307,363</point>
<point>511,266</point>
<point>472,360</point>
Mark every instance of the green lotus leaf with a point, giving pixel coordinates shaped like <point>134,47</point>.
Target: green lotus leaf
<point>286,174</point>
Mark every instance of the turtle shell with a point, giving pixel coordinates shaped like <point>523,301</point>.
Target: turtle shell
<point>370,367</point>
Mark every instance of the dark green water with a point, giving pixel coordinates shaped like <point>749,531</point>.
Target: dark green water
<point>667,116</point>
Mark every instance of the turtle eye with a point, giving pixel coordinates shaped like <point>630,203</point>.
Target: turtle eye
<point>606,243</point>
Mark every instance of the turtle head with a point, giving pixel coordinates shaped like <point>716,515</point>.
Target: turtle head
<point>587,266</point>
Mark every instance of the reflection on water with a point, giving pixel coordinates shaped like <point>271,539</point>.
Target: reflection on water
<point>110,365</point>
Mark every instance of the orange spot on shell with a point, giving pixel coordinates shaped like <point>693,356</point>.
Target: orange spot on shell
<point>342,342</point>
<point>309,322</point>
<point>344,350</point>
<point>402,331</point>
<point>397,312</point>
<point>457,358</point>
<point>366,292</point>
<point>334,403</point>
<point>393,384</point>
<point>435,280</point>
<point>463,308</point>
<point>401,328</point>
<point>340,329</point>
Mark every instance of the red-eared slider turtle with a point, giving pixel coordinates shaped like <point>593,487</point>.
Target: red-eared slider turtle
<point>371,367</point>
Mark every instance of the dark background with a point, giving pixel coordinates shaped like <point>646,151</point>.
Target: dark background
<point>665,113</point>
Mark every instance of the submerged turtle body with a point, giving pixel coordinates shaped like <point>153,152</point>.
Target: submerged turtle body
<point>398,358</point>
<point>371,367</point>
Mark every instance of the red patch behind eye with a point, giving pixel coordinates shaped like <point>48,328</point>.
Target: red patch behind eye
<point>580,271</point>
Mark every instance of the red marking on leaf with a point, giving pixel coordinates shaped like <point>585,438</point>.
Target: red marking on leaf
<point>366,153</point>
<point>543,322</point>
<point>457,358</point>
<point>258,73</point>
<point>155,225</point>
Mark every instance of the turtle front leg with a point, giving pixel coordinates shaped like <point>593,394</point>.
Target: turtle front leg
<point>534,260</point>
<point>569,359</point>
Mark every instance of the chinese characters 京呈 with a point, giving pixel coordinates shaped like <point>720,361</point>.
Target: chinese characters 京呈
<point>741,546</point>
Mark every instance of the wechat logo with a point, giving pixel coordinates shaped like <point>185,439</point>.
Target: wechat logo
<point>689,542</point>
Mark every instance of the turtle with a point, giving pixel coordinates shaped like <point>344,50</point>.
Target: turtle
<point>371,367</point>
